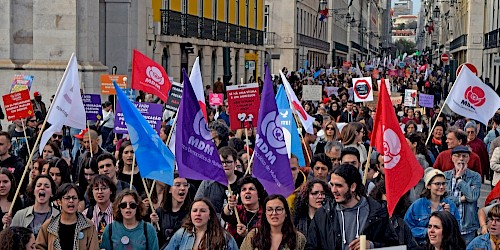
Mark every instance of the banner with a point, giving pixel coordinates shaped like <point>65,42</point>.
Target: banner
<point>151,111</point>
<point>215,99</point>
<point>312,92</point>
<point>18,105</point>
<point>149,76</point>
<point>107,87</point>
<point>21,82</point>
<point>93,107</point>
<point>425,100</point>
<point>332,91</point>
<point>244,102</point>
<point>410,98</point>
<point>174,97</point>
<point>363,89</point>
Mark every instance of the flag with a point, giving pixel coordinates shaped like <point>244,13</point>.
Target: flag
<point>292,138</point>
<point>197,84</point>
<point>323,14</point>
<point>402,170</point>
<point>67,106</point>
<point>317,73</point>
<point>473,99</point>
<point>427,73</point>
<point>306,120</point>
<point>197,156</point>
<point>154,159</point>
<point>271,165</point>
<point>358,70</point>
<point>149,76</point>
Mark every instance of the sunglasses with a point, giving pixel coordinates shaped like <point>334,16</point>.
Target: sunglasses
<point>57,136</point>
<point>32,120</point>
<point>124,205</point>
<point>329,128</point>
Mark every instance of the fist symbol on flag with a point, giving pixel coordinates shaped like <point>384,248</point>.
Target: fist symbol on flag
<point>273,133</point>
<point>200,126</point>
<point>475,95</point>
<point>392,147</point>
<point>155,74</point>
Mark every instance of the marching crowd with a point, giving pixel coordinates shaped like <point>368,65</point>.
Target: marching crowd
<point>86,192</point>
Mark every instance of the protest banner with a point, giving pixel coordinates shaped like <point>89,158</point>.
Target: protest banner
<point>107,87</point>
<point>311,92</point>
<point>396,100</point>
<point>425,100</point>
<point>363,89</point>
<point>18,105</point>
<point>21,82</point>
<point>151,111</point>
<point>215,99</point>
<point>174,97</point>
<point>410,98</point>
<point>93,107</point>
<point>332,91</point>
<point>244,103</point>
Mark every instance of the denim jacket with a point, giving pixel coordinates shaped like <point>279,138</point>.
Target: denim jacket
<point>417,217</point>
<point>480,242</point>
<point>470,187</point>
<point>183,239</point>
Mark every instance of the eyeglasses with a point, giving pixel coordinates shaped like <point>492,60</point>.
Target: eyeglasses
<point>67,198</point>
<point>439,184</point>
<point>57,136</point>
<point>102,189</point>
<point>316,194</point>
<point>227,162</point>
<point>496,220</point>
<point>277,210</point>
<point>124,205</point>
<point>330,128</point>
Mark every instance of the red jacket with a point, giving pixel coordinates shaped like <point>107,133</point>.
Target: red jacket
<point>444,163</point>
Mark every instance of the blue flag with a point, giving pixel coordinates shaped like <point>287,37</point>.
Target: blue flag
<point>289,125</point>
<point>154,159</point>
<point>197,156</point>
<point>271,165</point>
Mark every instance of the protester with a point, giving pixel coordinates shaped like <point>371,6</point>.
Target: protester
<point>17,238</point>
<point>331,133</point>
<point>490,240</point>
<point>299,178</point>
<point>88,171</point>
<point>437,144</point>
<point>7,190</point>
<point>443,232</point>
<point>13,163</point>
<point>125,161</point>
<point>309,200</point>
<point>90,142</point>
<point>129,230</point>
<point>352,136</point>
<point>320,165</point>
<point>59,171</point>
<point>276,230</point>
<point>51,150</point>
<point>333,150</point>
<point>418,148</point>
<point>349,114</point>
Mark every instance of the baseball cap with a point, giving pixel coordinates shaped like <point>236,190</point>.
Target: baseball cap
<point>81,134</point>
<point>37,94</point>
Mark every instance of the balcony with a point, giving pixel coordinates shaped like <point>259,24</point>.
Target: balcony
<point>270,38</point>
<point>312,42</point>
<point>491,39</point>
<point>458,42</point>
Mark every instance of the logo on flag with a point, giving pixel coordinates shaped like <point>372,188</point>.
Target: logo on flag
<point>274,135</point>
<point>475,95</point>
<point>392,147</point>
<point>200,126</point>
<point>155,76</point>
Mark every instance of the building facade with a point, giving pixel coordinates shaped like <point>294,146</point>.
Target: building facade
<point>404,7</point>
<point>491,56</point>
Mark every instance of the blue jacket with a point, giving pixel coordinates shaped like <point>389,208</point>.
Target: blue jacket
<point>184,239</point>
<point>480,242</point>
<point>470,187</point>
<point>417,217</point>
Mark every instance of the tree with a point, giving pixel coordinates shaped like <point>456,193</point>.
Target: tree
<point>405,46</point>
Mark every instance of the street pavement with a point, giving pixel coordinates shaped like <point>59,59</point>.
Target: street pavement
<point>485,190</point>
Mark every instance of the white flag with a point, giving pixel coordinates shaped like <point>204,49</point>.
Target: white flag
<point>306,120</point>
<point>67,107</point>
<point>471,98</point>
<point>358,71</point>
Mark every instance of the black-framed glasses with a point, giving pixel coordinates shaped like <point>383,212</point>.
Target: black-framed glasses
<point>439,183</point>
<point>227,162</point>
<point>317,194</point>
<point>67,198</point>
<point>124,205</point>
<point>277,210</point>
<point>102,189</point>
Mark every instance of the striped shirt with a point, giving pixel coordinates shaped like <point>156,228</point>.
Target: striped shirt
<point>98,214</point>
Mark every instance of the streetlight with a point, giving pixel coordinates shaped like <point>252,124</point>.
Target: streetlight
<point>436,12</point>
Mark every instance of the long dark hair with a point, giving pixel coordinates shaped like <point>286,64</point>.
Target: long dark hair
<point>15,238</point>
<point>262,239</point>
<point>451,233</point>
<point>124,145</point>
<point>215,236</point>
<point>166,203</point>
<point>63,167</point>
<point>301,203</point>
<point>13,184</point>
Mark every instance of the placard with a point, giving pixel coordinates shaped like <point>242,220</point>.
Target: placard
<point>174,97</point>
<point>410,98</point>
<point>18,105</point>
<point>244,103</point>
<point>332,91</point>
<point>311,92</point>
<point>107,87</point>
<point>363,89</point>
<point>396,100</point>
<point>21,82</point>
<point>215,99</point>
<point>93,107</point>
<point>151,111</point>
<point>425,100</point>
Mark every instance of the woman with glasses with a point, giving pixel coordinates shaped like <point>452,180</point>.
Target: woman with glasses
<point>129,230</point>
<point>202,230</point>
<point>70,229</point>
<point>252,194</point>
<point>331,133</point>
<point>276,230</point>
<point>433,198</point>
<point>309,200</point>
<point>173,210</point>
<point>352,136</point>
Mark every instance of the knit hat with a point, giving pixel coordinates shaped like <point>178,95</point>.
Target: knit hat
<point>431,173</point>
<point>470,124</point>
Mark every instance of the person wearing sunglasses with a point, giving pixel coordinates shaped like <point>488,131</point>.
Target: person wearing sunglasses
<point>70,229</point>
<point>331,133</point>
<point>129,230</point>
<point>433,198</point>
<point>308,201</point>
<point>276,230</point>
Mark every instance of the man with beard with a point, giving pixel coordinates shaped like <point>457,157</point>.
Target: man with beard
<point>464,187</point>
<point>340,222</point>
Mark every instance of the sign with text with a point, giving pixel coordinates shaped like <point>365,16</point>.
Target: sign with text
<point>107,83</point>
<point>18,105</point>
<point>151,111</point>
<point>425,100</point>
<point>174,97</point>
<point>396,100</point>
<point>215,99</point>
<point>363,89</point>
<point>410,98</point>
<point>21,82</point>
<point>332,91</point>
<point>311,92</point>
<point>244,103</point>
<point>93,107</point>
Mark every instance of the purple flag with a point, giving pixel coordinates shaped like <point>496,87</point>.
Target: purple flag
<point>271,165</point>
<point>197,156</point>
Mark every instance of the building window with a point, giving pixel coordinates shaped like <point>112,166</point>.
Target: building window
<point>165,59</point>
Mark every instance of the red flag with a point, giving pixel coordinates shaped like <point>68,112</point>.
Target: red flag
<point>149,76</point>
<point>402,170</point>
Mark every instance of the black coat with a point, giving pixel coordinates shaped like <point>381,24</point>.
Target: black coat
<point>324,231</point>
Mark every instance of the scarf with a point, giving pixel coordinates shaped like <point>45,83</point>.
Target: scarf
<point>437,142</point>
<point>496,241</point>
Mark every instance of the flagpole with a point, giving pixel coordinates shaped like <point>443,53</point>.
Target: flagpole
<point>148,194</point>
<point>302,138</point>
<point>171,130</point>
<point>90,140</point>
<point>367,165</point>
<point>440,111</point>
<point>26,138</point>
<point>132,173</point>
<point>38,139</point>
<point>249,169</point>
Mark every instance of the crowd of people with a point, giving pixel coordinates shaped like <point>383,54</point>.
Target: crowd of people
<point>84,191</point>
